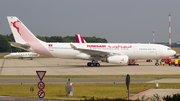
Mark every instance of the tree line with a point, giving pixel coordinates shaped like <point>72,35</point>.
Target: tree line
<point>6,47</point>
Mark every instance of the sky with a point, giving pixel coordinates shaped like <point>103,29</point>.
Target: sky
<point>118,21</point>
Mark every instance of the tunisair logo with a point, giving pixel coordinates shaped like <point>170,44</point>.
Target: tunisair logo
<point>14,25</point>
<point>119,46</point>
<point>96,46</point>
<point>109,46</point>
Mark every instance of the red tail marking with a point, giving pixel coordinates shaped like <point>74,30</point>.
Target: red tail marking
<point>77,39</point>
<point>14,25</point>
<point>82,40</point>
<point>50,45</point>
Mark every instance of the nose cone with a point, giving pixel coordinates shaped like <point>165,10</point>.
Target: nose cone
<point>173,52</point>
<point>7,56</point>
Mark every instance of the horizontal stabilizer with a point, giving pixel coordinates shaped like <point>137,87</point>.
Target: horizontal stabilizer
<point>19,45</point>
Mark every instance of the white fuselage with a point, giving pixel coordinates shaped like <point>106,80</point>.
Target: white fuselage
<point>133,51</point>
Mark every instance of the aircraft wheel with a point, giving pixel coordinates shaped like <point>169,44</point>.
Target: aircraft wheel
<point>156,64</point>
<point>97,64</point>
<point>92,64</point>
<point>89,64</point>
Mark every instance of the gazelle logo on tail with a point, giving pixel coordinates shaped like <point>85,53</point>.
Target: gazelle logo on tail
<point>14,25</point>
<point>80,39</point>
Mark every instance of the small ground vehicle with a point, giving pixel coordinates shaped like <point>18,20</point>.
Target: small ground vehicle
<point>177,62</point>
<point>167,61</point>
<point>148,60</point>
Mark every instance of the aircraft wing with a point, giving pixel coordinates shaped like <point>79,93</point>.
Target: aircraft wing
<point>94,52</point>
<point>19,45</point>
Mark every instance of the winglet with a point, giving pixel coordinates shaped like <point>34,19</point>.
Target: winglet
<point>72,46</point>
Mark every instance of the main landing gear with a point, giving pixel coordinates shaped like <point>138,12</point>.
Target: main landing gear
<point>93,63</point>
<point>133,63</point>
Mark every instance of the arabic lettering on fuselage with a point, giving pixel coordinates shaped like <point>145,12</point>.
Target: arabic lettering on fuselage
<point>109,46</point>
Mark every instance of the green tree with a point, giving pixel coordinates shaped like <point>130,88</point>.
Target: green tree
<point>95,40</point>
<point>41,38</point>
<point>10,38</point>
<point>69,39</point>
<point>55,39</point>
<point>4,44</point>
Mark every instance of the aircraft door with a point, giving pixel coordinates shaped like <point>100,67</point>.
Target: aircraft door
<point>160,52</point>
<point>135,55</point>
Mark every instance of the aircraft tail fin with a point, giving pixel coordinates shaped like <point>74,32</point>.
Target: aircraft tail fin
<point>80,39</point>
<point>24,38</point>
<point>20,32</point>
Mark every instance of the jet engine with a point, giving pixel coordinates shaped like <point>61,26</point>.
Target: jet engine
<point>118,59</point>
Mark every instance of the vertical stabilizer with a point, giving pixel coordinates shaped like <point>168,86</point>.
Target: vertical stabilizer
<point>15,30</point>
<point>80,39</point>
<point>23,35</point>
<point>20,32</point>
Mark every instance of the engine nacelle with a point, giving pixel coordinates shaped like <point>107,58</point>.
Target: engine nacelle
<point>119,59</point>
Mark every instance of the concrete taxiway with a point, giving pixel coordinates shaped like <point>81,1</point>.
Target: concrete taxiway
<point>86,80</point>
<point>56,66</point>
<point>76,80</point>
<point>161,93</point>
<point>9,98</point>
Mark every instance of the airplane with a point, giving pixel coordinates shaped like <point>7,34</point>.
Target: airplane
<point>118,53</point>
<point>22,55</point>
<point>80,39</point>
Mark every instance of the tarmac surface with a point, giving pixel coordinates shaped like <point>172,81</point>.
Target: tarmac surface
<point>86,80</point>
<point>79,80</point>
<point>9,98</point>
<point>56,66</point>
<point>161,93</point>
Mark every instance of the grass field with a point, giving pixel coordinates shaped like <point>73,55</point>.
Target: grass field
<point>98,90</point>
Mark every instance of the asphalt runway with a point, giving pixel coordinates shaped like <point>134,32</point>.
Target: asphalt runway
<point>86,80</point>
<point>74,80</point>
<point>57,66</point>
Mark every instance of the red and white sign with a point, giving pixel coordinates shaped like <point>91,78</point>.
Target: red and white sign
<point>41,74</point>
<point>41,94</point>
<point>41,85</point>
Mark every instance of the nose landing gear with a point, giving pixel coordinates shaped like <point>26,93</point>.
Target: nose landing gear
<point>157,63</point>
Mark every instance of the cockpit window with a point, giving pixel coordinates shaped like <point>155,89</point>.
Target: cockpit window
<point>169,49</point>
